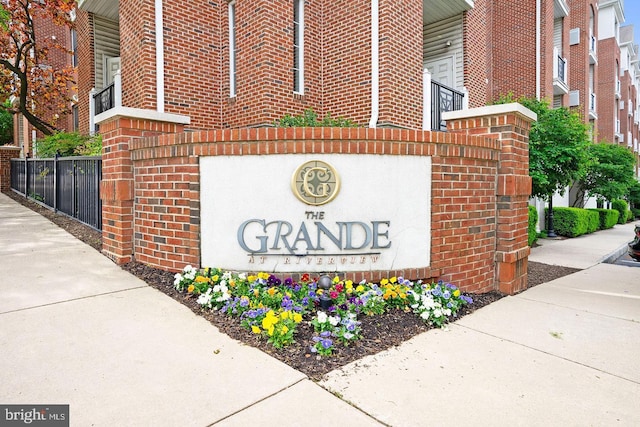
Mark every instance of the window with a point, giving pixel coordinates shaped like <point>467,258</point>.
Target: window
<point>76,118</point>
<point>74,48</point>
<point>298,46</point>
<point>232,49</point>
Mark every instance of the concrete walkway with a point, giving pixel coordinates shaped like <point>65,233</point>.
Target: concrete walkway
<point>76,329</point>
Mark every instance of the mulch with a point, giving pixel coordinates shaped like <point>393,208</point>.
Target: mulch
<point>378,332</point>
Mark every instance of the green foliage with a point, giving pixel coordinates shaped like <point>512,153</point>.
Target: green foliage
<point>6,124</point>
<point>69,144</point>
<point>574,222</point>
<point>309,118</point>
<point>533,220</point>
<point>635,213</point>
<point>611,173</point>
<point>622,207</point>
<point>608,217</point>
<point>634,194</point>
<point>558,144</point>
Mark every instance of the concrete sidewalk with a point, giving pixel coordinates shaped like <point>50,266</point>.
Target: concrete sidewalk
<point>564,353</point>
<point>78,330</point>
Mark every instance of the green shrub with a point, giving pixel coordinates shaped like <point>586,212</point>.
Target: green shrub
<point>622,207</point>
<point>573,222</point>
<point>533,220</point>
<point>310,119</point>
<point>69,144</point>
<point>608,217</point>
<point>635,213</point>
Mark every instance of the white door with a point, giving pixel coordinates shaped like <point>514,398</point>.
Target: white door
<point>441,70</point>
<point>112,66</point>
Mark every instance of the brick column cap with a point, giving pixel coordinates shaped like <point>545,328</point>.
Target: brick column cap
<point>139,113</point>
<point>491,110</point>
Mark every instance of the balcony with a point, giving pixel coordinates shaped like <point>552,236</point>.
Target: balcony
<point>560,86</point>
<point>592,105</point>
<point>629,140</point>
<point>617,90</point>
<point>635,145</point>
<point>104,100</point>
<point>593,43</point>
<point>437,99</point>
<point>630,108</point>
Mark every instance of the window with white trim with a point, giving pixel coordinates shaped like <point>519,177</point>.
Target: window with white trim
<point>298,46</point>
<point>232,49</point>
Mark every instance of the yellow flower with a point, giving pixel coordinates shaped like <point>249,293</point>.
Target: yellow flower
<point>284,315</point>
<point>190,288</point>
<point>348,285</point>
<point>215,278</point>
<point>360,288</point>
<point>255,329</point>
<point>256,292</point>
<point>297,317</point>
<point>251,278</point>
<point>336,280</point>
<point>263,275</point>
<point>394,279</point>
<point>232,283</point>
<point>202,279</point>
<point>270,320</point>
<point>456,293</point>
<point>271,291</point>
<point>270,331</point>
<point>383,282</point>
<point>285,329</point>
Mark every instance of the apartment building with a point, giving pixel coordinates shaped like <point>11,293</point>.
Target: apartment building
<point>381,63</point>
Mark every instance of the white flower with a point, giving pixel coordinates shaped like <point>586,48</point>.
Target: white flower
<point>347,335</point>
<point>322,317</point>
<point>334,320</point>
<point>437,313</point>
<point>424,315</point>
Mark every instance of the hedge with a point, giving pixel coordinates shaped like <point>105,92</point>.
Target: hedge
<point>533,220</point>
<point>622,207</point>
<point>573,222</point>
<point>608,217</point>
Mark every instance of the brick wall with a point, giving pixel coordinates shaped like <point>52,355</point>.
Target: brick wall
<point>137,52</point>
<point>6,154</point>
<point>151,191</point>
<point>578,57</point>
<point>608,57</point>
<point>477,49</point>
<point>86,66</point>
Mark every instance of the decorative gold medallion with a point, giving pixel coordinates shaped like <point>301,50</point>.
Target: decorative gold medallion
<point>315,183</point>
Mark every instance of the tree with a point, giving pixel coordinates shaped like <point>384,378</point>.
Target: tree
<point>41,92</point>
<point>611,174</point>
<point>558,156</point>
<point>6,124</point>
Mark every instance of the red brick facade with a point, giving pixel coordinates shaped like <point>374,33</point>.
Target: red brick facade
<point>608,110</point>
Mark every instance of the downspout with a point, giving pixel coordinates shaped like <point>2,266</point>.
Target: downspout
<point>159,57</point>
<point>375,64</point>
<point>538,13</point>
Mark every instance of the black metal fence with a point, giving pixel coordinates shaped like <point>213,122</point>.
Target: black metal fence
<point>70,185</point>
<point>443,99</point>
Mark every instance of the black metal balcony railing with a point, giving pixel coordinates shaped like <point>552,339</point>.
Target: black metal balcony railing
<point>105,99</point>
<point>443,98</point>
<point>562,63</point>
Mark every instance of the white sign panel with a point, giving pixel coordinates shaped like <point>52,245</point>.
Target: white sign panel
<point>315,213</point>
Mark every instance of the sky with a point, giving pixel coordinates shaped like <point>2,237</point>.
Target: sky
<point>632,16</point>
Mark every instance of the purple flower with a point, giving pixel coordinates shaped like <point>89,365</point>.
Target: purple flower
<point>326,343</point>
<point>325,334</point>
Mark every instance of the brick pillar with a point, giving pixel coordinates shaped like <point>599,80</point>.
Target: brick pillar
<point>6,154</point>
<point>510,123</point>
<point>117,187</point>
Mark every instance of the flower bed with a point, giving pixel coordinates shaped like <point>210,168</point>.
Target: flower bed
<point>273,308</point>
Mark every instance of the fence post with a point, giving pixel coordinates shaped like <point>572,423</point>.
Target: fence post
<point>26,176</point>
<point>426,100</point>
<point>55,182</point>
